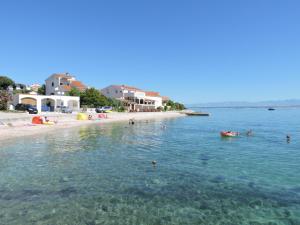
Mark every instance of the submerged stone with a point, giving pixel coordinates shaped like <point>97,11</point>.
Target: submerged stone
<point>204,206</point>
<point>204,157</point>
<point>104,208</point>
<point>251,184</point>
<point>64,179</point>
<point>287,213</point>
<point>256,204</point>
<point>91,223</point>
<point>218,179</point>
<point>66,192</point>
<point>254,223</point>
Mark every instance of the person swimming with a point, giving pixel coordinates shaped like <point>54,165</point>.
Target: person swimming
<point>249,133</point>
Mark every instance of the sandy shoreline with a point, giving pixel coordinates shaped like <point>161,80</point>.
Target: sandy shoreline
<point>21,124</point>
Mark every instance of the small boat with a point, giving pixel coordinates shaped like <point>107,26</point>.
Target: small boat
<point>229,134</point>
<point>197,114</point>
<point>271,109</point>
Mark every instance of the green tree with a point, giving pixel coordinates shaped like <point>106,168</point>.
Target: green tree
<point>171,104</point>
<point>42,90</point>
<point>116,104</point>
<point>175,105</point>
<point>93,98</point>
<point>179,106</point>
<point>74,92</point>
<point>5,82</point>
<point>5,97</point>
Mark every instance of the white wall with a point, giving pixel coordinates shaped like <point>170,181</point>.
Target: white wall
<point>158,101</point>
<point>49,88</point>
<point>56,88</point>
<point>57,99</point>
<point>113,92</point>
<point>119,93</point>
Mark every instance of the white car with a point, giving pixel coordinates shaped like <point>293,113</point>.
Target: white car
<point>65,109</point>
<point>103,109</point>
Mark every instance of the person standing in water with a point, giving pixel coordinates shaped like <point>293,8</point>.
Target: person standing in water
<point>288,138</point>
<point>249,133</point>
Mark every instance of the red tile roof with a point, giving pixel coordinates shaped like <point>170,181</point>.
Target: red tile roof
<point>152,94</point>
<point>74,84</point>
<point>66,88</point>
<point>77,84</point>
<point>148,93</point>
<point>64,75</point>
<point>127,87</point>
<point>165,98</point>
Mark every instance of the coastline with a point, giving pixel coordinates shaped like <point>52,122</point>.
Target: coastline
<point>22,127</point>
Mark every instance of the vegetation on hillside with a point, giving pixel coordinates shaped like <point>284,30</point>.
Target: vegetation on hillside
<point>5,96</point>
<point>42,90</point>
<point>5,82</point>
<point>74,92</point>
<point>174,106</point>
<point>92,98</point>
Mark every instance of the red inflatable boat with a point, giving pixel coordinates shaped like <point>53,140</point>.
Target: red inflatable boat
<point>229,134</point>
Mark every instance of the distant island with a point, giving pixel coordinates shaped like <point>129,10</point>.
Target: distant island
<point>241,104</point>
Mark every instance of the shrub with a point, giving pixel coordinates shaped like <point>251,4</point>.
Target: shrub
<point>5,97</point>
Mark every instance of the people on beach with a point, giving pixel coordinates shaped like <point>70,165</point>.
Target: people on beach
<point>45,119</point>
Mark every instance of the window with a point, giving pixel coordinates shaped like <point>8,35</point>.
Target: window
<point>116,91</point>
<point>52,84</point>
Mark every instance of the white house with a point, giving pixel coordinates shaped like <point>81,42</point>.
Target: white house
<point>35,87</point>
<point>48,102</point>
<point>154,96</point>
<point>134,98</point>
<point>61,84</point>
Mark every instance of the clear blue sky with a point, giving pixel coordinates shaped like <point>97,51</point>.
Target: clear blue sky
<point>193,51</point>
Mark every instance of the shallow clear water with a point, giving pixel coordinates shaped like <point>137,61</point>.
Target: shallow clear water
<point>102,174</point>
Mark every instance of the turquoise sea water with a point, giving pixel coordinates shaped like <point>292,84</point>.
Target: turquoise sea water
<point>102,174</point>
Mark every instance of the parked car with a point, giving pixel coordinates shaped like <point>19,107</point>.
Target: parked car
<point>104,109</point>
<point>26,107</point>
<point>65,109</point>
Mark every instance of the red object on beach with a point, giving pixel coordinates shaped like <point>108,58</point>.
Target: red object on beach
<point>102,116</point>
<point>229,134</point>
<point>37,120</point>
